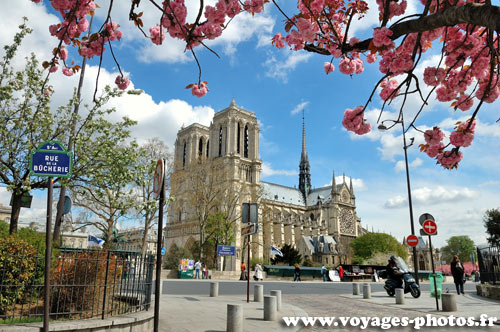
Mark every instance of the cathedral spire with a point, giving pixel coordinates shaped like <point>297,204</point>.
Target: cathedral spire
<point>350,186</point>
<point>334,184</point>
<point>305,174</point>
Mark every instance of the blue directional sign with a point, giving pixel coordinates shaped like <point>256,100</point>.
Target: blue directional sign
<point>51,159</point>
<point>163,251</point>
<point>225,250</point>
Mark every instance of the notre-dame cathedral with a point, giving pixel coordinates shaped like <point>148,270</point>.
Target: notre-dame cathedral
<point>320,222</point>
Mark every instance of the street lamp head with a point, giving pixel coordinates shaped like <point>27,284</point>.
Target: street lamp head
<point>382,127</point>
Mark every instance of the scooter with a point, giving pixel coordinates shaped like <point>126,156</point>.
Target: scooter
<point>410,286</point>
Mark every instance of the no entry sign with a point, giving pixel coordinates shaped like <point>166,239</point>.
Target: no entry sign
<point>412,240</point>
<point>430,227</point>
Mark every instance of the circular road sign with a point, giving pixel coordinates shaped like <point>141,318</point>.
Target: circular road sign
<point>158,177</point>
<point>424,217</point>
<point>412,240</point>
<point>430,227</point>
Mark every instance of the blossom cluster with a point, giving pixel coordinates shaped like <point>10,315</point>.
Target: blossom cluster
<point>353,121</point>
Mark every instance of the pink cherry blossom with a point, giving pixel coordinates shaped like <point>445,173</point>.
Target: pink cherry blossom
<point>199,91</point>
<point>434,76</point>
<point>353,121</point>
<point>278,41</point>
<point>53,68</point>
<point>329,67</point>
<point>449,159</point>
<point>155,35</point>
<point>122,82</point>
<point>433,150</point>
<point>371,58</point>
<point>433,136</point>
<point>381,37</point>
<point>66,71</point>
<point>346,66</point>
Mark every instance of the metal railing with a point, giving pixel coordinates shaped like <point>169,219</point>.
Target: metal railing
<point>489,264</point>
<point>84,283</point>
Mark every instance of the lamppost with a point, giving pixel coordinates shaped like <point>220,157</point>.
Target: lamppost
<point>405,147</point>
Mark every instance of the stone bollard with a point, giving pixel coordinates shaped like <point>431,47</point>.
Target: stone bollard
<point>234,318</point>
<point>258,293</point>
<point>270,308</point>
<point>277,293</point>
<point>355,288</point>
<point>214,289</point>
<point>400,296</point>
<point>367,291</point>
<point>448,302</point>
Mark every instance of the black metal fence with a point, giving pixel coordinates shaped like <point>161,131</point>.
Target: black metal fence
<point>85,283</point>
<point>489,260</point>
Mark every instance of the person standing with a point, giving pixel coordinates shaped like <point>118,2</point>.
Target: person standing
<point>457,270</point>
<point>204,271</point>
<point>197,269</point>
<point>341,272</point>
<point>296,274</point>
<point>324,271</point>
<point>243,268</point>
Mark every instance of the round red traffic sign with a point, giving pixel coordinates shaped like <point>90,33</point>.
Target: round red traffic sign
<point>412,240</point>
<point>430,227</point>
<point>158,177</point>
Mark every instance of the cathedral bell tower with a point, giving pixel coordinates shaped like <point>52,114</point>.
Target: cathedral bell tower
<point>305,169</point>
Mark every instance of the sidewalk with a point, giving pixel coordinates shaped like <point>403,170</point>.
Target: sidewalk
<point>468,305</point>
<point>181,313</point>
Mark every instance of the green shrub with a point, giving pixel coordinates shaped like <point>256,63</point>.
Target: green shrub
<point>17,268</point>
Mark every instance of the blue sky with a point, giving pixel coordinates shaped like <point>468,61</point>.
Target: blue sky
<point>277,85</point>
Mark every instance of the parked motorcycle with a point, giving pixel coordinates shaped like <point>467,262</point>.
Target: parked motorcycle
<point>405,280</point>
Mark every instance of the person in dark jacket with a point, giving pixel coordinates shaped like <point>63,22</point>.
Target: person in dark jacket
<point>393,271</point>
<point>296,274</point>
<point>457,270</point>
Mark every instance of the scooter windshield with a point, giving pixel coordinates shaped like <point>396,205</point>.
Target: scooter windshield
<point>402,265</point>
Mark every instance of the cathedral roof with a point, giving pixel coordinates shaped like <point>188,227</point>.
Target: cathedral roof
<point>289,195</point>
<point>282,194</point>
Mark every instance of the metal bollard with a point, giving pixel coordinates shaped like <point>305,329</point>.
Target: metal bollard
<point>355,288</point>
<point>400,296</point>
<point>258,293</point>
<point>277,293</point>
<point>448,302</point>
<point>367,291</point>
<point>234,318</point>
<point>214,289</point>
<point>270,308</point>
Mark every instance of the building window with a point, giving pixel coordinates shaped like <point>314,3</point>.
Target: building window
<point>180,216</point>
<point>220,142</point>
<point>200,148</point>
<point>208,145</point>
<point>238,140</point>
<point>184,156</point>
<point>245,151</point>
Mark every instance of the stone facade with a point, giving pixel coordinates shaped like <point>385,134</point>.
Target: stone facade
<point>423,254</point>
<point>228,153</point>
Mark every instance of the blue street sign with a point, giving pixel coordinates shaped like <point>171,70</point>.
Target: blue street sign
<point>225,250</point>
<point>163,251</point>
<point>51,159</point>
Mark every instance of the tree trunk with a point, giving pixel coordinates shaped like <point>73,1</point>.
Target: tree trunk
<point>58,221</point>
<point>145,237</point>
<point>16,210</point>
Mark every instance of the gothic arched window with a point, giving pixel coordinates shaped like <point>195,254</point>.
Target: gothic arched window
<point>184,156</point>
<point>220,141</point>
<point>208,145</point>
<point>245,149</point>
<point>238,140</point>
<point>200,148</point>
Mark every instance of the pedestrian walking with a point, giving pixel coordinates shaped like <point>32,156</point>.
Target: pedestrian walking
<point>341,272</point>
<point>204,272</point>
<point>243,275</point>
<point>296,273</point>
<point>457,270</point>
<point>258,273</point>
<point>324,272</point>
<point>197,269</point>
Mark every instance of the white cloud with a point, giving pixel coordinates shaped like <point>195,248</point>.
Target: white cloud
<point>400,165</point>
<point>432,196</point>
<point>267,170</point>
<point>299,107</point>
<point>279,69</point>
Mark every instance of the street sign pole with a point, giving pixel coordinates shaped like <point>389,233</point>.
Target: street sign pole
<point>158,250</point>
<point>248,272</point>
<point>48,254</point>
<point>434,273</point>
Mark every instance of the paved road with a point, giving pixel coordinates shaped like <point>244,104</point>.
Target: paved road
<point>202,287</point>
